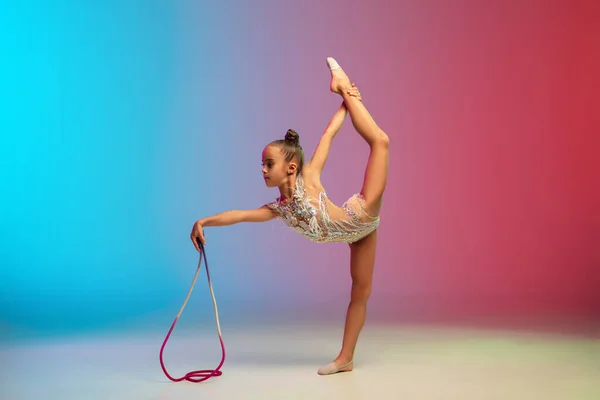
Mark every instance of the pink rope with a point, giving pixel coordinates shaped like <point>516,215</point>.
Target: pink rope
<point>203,374</point>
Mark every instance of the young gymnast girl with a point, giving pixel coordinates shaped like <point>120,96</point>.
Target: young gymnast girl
<point>304,206</point>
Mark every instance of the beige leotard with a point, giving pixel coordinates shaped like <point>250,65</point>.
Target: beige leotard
<point>310,216</point>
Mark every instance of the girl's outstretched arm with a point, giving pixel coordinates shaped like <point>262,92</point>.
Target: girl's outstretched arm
<point>230,217</point>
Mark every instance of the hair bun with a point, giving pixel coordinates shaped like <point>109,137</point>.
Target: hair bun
<point>292,136</point>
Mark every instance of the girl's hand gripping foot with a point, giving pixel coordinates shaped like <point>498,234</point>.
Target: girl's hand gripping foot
<point>354,92</point>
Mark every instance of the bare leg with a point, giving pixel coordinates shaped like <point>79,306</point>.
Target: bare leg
<point>376,171</point>
<point>362,253</point>
<point>362,263</point>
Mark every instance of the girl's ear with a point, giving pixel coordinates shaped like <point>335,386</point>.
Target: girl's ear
<point>292,168</point>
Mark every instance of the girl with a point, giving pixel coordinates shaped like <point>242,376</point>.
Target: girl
<point>304,206</point>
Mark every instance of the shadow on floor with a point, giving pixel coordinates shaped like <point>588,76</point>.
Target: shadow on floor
<point>283,359</point>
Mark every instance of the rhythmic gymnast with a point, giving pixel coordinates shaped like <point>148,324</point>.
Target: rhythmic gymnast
<point>303,204</point>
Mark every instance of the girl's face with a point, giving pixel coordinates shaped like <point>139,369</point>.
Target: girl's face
<point>275,169</point>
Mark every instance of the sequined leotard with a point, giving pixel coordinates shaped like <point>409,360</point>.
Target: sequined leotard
<point>311,218</point>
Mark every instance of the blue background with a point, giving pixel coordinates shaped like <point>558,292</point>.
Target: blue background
<point>124,122</point>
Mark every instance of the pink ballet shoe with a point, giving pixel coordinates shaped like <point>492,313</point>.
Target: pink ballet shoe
<point>332,64</point>
<point>332,368</point>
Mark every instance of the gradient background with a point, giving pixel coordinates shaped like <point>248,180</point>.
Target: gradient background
<point>124,122</point>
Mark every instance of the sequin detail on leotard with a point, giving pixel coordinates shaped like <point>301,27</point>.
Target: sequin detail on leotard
<point>310,217</point>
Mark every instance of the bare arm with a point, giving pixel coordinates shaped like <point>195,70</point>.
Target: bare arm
<point>316,164</point>
<point>230,217</point>
<point>319,158</point>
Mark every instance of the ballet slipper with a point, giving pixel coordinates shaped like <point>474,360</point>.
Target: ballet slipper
<point>332,368</point>
<point>339,79</point>
<point>332,64</point>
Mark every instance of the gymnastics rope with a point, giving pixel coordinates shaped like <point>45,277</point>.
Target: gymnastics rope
<point>199,375</point>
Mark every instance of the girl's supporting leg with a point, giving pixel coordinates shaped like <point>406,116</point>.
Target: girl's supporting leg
<point>362,263</point>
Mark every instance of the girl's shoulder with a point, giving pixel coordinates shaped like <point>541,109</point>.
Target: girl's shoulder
<point>310,182</point>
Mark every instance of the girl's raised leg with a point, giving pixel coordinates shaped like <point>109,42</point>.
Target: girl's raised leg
<point>376,172</point>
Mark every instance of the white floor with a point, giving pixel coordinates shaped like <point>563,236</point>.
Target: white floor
<point>391,363</point>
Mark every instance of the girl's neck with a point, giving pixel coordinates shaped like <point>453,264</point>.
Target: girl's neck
<point>287,190</point>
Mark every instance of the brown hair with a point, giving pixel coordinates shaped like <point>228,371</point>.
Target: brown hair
<point>290,146</point>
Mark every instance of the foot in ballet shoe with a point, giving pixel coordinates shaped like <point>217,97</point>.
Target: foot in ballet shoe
<point>339,79</point>
<point>333,368</point>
